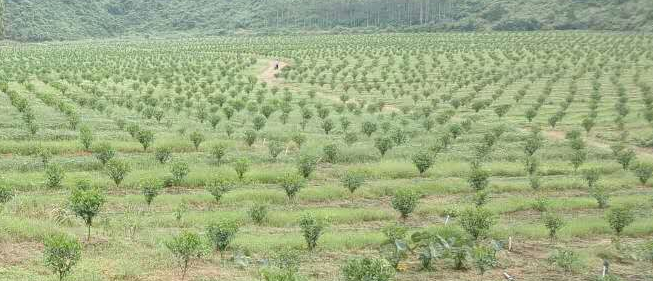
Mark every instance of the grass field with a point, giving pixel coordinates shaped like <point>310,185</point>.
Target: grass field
<point>468,104</point>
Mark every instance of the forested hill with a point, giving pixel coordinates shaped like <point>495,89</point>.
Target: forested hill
<point>37,20</point>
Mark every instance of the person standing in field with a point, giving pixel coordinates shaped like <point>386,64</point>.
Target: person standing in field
<point>276,64</point>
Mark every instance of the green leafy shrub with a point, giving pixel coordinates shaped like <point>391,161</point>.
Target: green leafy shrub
<point>359,269</point>
<point>405,201</point>
<point>221,234</point>
<point>352,181</point>
<point>478,178</point>
<point>423,160</point>
<point>86,137</point>
<point>54,175</point>
<point>179,171</point>
<point>553,223</point>
<point>619,218</point>
<point>197,138</point>
<point>258,213</point>
<point>643,171</point>
<point>104,152</point>
<point>330,152</point>
<point>86,203</point>
<point>307,164</point>
<point>292,183</point>
<point>383,144</point>
<point>145,138</point>
<point>219,187</point>
<point>150,189</point>
<point>476,222</point>
<point>567,260</point>
<point>61,253</point>
<point>117,170</point>
<point>312,228</point>
<point>250,137</point>
<point>284,267</point>
<point>163,154</point>
<point>275,147</point>
<point>218,151</point>
<point>241,166</point>
<point>6,193</point>
<point>185,247</point>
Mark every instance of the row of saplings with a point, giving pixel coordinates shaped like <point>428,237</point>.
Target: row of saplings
<point>431,248</point>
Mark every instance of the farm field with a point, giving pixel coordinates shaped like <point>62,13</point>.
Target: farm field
<point>455,156</point>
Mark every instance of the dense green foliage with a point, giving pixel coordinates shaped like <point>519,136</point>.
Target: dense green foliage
<point>62,19</point>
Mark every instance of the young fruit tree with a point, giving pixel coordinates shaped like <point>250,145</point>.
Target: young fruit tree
<point>219,188</point>
<point>405,201</point>
<point>352,181</point>
<point>86,202</point>
<point>185,247</point>
<point>312,228</point>
<point>104,152</point>
<point>292,183</point>
<point>476,222</point>
<point>150,189</point>
<point>197,138</point>
<point>117,170</point>
<point>221,234</point>
<point>423,160</point>
<point>61,253</point>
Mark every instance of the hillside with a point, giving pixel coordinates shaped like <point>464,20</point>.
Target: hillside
<point>32,20</point>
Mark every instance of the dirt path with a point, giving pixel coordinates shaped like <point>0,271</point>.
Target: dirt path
<point>268,75</point>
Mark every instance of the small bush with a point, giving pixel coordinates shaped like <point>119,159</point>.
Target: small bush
<point>405,201</point>
<point>85,137</point>
<point>218,188</point>
<point>591,176</point>
<point>292,183</point>
<point>54,175</point>
<point>61,253</point>
<point>104,152</point>
<point>117,170</point>
<point>476,222</point>
<point>423,160</point>
<point>643,171</point>
<point>275,147</point>
<point>145,138</point>
<point>307,164</point>
<point>241,166</point>
<point>179,171</point>
<point>312,229</point>
<point>150,189</point>
<point>567,260</point>
<point>185,247</point>
<point>86,203</point>
<point>250,137</point>
<point>352,181</point>
<point>383,144</point>
<point>163,154</point>
<point>331,152</point>
<point>197,138</point>
<point>258,213</point>
<point>221,234</point>
<point>478,178</point>
<point>218,151</point>
<point>619,218</point>
<point>553,223</point>
<point>394,232</point>
<point>360,269</point>
<point>6,194</point>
